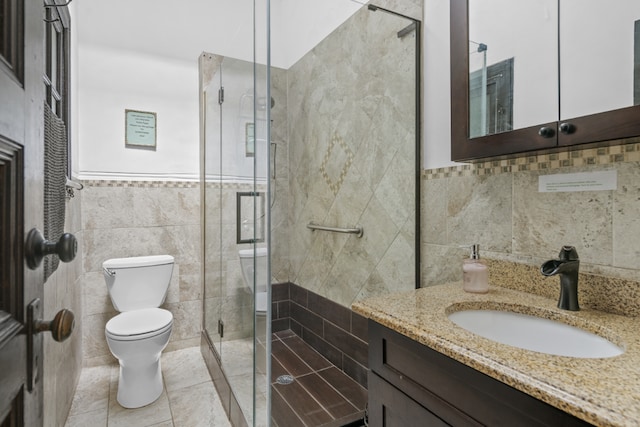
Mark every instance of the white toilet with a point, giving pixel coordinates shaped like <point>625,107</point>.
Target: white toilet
<point>137,336</point>
<point>246,263</point>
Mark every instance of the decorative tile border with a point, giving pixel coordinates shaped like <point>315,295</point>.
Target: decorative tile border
<point>169,184</point>
<point>627,152</point>
<point>140,184</point>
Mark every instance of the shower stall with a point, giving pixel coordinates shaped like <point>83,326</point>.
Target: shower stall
<point>318,133</point>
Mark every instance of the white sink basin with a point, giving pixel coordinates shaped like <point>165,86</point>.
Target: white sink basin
<point>535,333</point>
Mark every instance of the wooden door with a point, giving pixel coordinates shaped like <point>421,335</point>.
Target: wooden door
<point>22,97</point>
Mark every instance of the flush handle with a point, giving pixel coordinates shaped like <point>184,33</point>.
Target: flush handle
<point>37,247</point>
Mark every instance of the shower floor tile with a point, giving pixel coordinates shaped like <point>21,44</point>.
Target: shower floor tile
<point>320,395</point>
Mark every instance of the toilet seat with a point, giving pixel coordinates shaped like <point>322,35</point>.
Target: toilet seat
<point>139,324</point>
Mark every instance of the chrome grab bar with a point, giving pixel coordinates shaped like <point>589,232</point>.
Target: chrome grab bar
<point>356,230</point>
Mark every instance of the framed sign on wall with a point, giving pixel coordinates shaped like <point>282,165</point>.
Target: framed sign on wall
<point>140,129</point>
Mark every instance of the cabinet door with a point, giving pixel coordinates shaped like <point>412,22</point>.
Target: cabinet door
<point>599,70</point>
<point>389,407</point>
<point>504,77</point>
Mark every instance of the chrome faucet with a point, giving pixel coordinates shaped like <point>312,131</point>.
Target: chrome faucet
<point>566,266</point>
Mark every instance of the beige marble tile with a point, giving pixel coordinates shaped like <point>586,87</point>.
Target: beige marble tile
<point>441,264</point>
<point>94,342</point>
<point>187,318</point>
<point>396,190</point>
<point>196,406</point>
<point>97,418</point>
<point>626,221</point>
<point>154,413</point>
<point>96,295</point>
<point>349,273</point>
<point>379,230</point>
<point>544,222</point>
<point>397,267</point>
<point>92,391</point>
<point>434,211</point>
<point>183,368</point>
<point>479,211</point>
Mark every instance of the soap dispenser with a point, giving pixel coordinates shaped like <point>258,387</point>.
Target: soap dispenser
<point>475,274</point>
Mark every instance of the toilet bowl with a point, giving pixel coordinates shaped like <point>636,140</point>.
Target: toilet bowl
<point>261,276</point>
<point>136,337</point>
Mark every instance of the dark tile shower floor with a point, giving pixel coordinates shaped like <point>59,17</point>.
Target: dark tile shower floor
<point>320,394</point>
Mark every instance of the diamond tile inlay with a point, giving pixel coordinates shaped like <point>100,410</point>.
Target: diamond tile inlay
<point>331,162</point>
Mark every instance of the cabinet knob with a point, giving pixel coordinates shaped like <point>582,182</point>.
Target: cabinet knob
<point>567,128</point>
<point>36,247</point>
<point>546,132</point>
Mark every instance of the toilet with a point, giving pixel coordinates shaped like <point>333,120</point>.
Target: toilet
<point>136,337</point>
<point>246,263</point>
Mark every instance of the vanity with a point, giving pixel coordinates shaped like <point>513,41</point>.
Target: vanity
<point>426,370</point>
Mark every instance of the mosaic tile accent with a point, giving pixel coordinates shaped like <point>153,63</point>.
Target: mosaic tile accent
<point>628,151</point>
<point>331,155</point>
<point>141,184</point>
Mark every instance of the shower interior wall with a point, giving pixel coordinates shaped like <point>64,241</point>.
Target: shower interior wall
<point>350,132</point>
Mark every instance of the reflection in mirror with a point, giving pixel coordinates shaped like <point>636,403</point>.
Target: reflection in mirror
<point>597,65</point>
<point>636,63</point>
<point>512,65</point>
<point>250,215</point>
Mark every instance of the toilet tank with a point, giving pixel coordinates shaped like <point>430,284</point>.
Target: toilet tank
<point>138,282</point>
<point>246,263</point>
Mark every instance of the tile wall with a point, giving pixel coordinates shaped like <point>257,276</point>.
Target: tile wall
<point>136,218</point>
<point>497,204</point>
<point>63,361</point>
<point>334,331</point>
<point>351,160</point>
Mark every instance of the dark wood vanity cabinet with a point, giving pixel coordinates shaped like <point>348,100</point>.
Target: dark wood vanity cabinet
<point>559,127</point>
<point>413,385</point>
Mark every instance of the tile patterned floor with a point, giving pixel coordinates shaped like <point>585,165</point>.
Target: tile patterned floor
<point>320,395</point>
<point>188,400</point>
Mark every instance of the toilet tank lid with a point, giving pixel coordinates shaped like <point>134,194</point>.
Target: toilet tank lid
<point>248,253</point>
<point>138,261</point>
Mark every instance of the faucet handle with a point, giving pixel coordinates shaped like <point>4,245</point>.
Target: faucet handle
<point>568,253</point>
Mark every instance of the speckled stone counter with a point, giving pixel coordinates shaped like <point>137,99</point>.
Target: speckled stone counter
<point>604,392</point>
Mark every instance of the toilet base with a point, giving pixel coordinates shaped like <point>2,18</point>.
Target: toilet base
<point>140,382</point>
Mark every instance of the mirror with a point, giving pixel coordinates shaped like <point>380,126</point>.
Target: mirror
<point>513,64</point>
<point>528,76</point>
<point>600,63</point>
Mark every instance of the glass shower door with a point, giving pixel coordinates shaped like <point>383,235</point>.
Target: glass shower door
<point>235,227</point>
<point>211,195</point>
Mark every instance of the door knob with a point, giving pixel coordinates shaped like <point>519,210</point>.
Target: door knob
<point>60,327</point>
<point>37,247</point>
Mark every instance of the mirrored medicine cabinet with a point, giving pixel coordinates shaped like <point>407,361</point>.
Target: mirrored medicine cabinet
<point>534,76</point>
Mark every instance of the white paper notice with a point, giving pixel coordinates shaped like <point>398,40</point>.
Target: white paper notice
<point>583,181</point>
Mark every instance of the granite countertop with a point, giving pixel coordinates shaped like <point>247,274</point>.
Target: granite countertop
<point>604,392</point>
